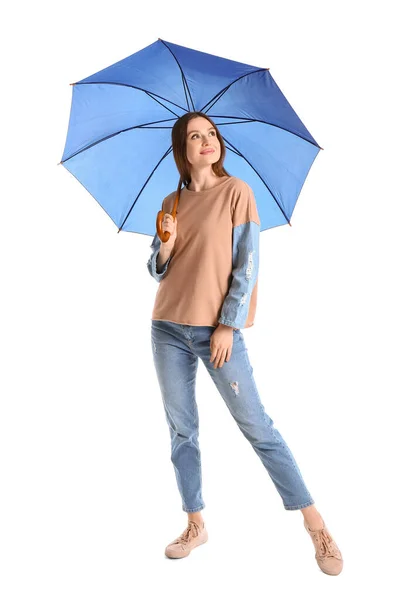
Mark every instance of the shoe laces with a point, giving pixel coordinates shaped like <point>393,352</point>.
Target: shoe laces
<point>326,544</point>
<point>192,530</point>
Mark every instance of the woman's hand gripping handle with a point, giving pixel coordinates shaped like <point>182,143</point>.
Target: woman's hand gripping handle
<point>167,225</point>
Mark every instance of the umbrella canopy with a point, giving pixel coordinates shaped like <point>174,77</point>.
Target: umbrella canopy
<point>118,142</point>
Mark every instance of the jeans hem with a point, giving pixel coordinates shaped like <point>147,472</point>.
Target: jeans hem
<point>191,510</point>
<point>299,505</point>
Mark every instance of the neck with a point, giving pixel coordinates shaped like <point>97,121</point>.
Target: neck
<point>201,181</point>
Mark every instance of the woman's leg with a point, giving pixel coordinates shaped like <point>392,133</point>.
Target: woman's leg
<point>236,384</point>
<point>176,368</point>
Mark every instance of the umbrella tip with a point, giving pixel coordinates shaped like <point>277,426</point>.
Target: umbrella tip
<point>290,224</point>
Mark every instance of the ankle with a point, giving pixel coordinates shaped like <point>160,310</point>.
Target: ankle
<point>312,517</point>
<point>315,522</point>
<point>198,522</point>
<point>197,517</point>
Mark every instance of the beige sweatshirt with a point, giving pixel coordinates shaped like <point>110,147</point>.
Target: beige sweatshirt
<point>211,276</point>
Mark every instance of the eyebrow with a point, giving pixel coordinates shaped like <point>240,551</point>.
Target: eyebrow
<point>197,130</point>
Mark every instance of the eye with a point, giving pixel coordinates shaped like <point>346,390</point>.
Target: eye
<point>193,136</point>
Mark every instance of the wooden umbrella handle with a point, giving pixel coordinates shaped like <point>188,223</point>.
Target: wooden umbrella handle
<point>165,235</point>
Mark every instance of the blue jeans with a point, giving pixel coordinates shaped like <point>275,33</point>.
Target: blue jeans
<point>176,350</point>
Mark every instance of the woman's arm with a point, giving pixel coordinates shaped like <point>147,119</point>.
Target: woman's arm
<point>245,259</point>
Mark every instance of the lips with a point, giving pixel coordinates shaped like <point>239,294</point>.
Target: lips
<point>207,151</point>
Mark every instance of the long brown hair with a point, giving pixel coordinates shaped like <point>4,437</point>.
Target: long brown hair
<point>178,136</point>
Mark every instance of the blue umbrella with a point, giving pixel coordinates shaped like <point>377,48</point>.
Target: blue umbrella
<point>119,135</point>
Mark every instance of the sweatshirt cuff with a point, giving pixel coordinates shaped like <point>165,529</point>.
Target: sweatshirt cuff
<point>152,266</point>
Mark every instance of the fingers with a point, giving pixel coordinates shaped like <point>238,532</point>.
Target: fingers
<point>168,222</point>
<point>221,359</point>
<point>220,356</point>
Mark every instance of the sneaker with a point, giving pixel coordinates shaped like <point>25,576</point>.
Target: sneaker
<point>328,555</point>
<point>193,536</point>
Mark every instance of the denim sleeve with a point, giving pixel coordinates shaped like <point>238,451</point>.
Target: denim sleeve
<point>245,247</point>
<point>152,262</point>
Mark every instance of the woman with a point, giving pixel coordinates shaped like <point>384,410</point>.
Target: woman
<point>200,307</point>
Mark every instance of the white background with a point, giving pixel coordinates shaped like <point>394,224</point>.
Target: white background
<point>88,493</point>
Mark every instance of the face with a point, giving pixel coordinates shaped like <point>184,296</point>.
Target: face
<point>202,136</point>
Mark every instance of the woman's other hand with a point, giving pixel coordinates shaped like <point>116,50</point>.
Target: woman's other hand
<point>221,342</point>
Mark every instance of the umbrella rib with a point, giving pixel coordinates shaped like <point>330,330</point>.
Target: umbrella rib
<point>184,82</point>
<point>143,125</point>
<point>184,88</point>
<point>151,94</point>
<point>221,92</point>
<point>261,121</point>
<point>144,185</point>
<point>163,105</point>
<point>231,149</point>
<point>255,170</point>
